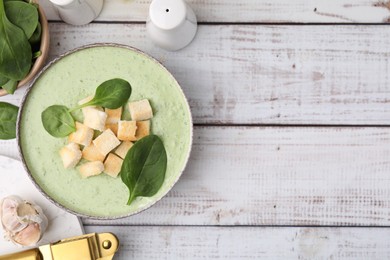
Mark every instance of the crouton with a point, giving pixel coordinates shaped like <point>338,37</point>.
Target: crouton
<point>91,169</point>
<point>106,142</point>
<point>127,130</point>
<point>83,135</point>
<point>113,127</point>
<point>85,100</point>
<point>143,129</point>
<point>140,110</point>
<point>112,165</point>
<point>91,153</point>
<point>113,115</point>
<point>70,155</point>
<point>94,118</point>
<point>122,149</point>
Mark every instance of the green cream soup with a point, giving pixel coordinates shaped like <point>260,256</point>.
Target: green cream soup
<point>75,77</point>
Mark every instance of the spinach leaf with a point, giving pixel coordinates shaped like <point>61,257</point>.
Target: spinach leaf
<point>8,116</point>
<point>110,94</point>
<point>36,36</point>
<point>143,169</point>
<point>15,50</point>
<point>37,54</point>
<point>57,121</point>
<point>23,15</point>
<point>10,86</point>
<point>3,80</point>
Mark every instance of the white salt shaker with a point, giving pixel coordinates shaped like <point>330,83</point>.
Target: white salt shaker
<point>78,12</point>
<point>171,24</point>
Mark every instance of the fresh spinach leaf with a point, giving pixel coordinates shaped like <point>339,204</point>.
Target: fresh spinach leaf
<point>37,54</point>
<point>23,15</point>
<point>57,121</point>
<point>15,50</point>
<point>110,94</point>
<point>8,116</point>
<point>143,169</point>
<point>3,80</point>
<point>10,86</point>
<point>36,36</point>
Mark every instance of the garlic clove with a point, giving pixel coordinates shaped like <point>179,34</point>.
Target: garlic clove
<point>26,209</point>
<point>9,216</point>
<point>12,223</point>
<point>23,222</point>
<point>28,236</point>
<point>27,213</point>
<point>38,217</point>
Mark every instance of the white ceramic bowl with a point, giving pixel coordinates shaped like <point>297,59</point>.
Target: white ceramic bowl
<point>62,82</point>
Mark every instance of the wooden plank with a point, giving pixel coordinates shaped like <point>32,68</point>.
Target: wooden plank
<point>242,74</point>
<point>255,11</point>
<point>9,148</point>
<point>279,176</point>
<point>249,242</point>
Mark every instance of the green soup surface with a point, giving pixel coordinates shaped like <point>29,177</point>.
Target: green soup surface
<point>76,76</point>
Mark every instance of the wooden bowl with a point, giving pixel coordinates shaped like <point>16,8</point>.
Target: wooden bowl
<point>44,48</point>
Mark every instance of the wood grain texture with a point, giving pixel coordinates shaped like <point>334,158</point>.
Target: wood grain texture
<point>254,11</point>
<point>249,243</point>
<point>242,74</point>
<point>279,176</point>
<point>9,148</point>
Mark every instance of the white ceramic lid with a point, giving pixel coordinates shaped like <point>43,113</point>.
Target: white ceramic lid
<point>167,14</point>
<point>62,2</point>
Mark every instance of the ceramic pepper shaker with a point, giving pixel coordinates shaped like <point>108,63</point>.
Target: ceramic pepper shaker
<point>78,12</point>
<point>171,24</point>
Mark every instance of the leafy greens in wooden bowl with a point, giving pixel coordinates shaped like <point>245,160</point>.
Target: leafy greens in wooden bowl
<point>24,43</point>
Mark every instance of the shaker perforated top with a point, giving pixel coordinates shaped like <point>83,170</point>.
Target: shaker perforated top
<point>167,14</point>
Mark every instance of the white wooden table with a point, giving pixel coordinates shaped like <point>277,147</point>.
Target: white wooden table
<point>291,154</point>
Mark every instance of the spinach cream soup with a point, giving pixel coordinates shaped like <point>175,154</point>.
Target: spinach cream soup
<point>74,77</point>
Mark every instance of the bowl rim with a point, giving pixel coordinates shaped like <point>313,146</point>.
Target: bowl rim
<point>43,47</point>
<point>26,95</point>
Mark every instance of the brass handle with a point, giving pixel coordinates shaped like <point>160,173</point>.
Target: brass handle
<point>32,254</point>
<point>87,247</point>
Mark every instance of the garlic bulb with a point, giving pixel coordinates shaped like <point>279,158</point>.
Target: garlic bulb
<point>23,222</point>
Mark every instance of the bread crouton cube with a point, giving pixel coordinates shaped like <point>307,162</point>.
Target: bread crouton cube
<point>106,142</point>
<point>70,155</point>
<point>122,149</point>
<point>143,129</point>
<point>83,135</point>
<point>85,100</point>
<point>127,130</point>
<point>113,127</point>
<point>91,169</point>
<point>113,115</point>
<point>140,110</point>
<point>112,165</point>
<point>91,153</point>
<point>94,118</point>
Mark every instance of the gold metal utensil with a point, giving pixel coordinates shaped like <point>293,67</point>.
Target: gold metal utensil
<point>87,247</point>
